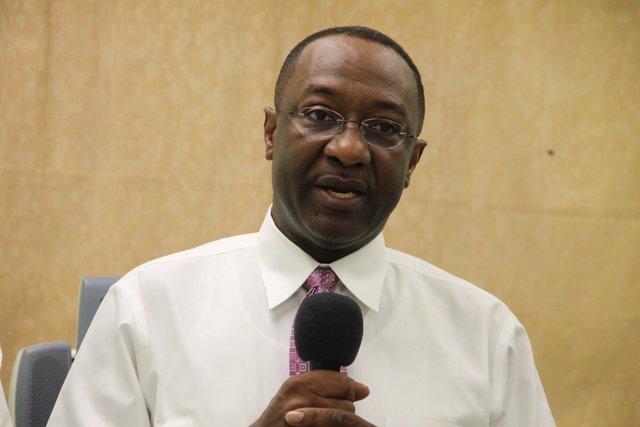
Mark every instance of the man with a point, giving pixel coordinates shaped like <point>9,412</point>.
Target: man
<point>203,337</point>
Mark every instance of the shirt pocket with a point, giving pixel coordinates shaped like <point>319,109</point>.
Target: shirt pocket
<point>415,422</point>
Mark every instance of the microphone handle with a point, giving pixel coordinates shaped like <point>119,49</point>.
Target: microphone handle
<point>317,364</point>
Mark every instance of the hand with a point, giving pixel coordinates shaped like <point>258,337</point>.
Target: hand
<point>317,398</point>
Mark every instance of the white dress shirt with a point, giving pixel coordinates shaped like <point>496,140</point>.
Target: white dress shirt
<point>201,338</point>
<point>5,418</point>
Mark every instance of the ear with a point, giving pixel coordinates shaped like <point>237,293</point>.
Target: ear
<point>418,148</point>
<point>270,122</point>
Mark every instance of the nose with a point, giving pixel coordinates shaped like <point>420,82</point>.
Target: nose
<point>348,145</point>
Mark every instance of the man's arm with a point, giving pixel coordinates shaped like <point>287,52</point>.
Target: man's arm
<point>103,386</point>
<point>5,419</point>
<point>518,396</point>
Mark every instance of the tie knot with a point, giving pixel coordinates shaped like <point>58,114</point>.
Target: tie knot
<point>322,279</point>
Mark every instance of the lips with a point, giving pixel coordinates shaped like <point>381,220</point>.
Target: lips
<point>342,188</point>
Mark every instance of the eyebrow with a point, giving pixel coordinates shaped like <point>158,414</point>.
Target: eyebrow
<point>389,105</point>
<point>322,89</point>
<point>386,105</point>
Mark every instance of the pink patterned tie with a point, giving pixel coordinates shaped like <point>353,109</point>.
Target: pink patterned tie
<point>322,279</point>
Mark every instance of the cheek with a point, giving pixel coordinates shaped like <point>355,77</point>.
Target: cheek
<point>290,167</point>
<point>391,172</point>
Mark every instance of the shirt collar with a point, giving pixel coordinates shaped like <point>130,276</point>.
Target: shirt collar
<point>284,267</point>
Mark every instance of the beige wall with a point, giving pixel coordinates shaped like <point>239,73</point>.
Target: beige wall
<point>132,129</point>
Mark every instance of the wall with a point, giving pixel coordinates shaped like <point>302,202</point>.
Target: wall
<point>129,130</point>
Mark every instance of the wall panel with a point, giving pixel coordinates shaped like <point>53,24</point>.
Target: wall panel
<point>129,130</point>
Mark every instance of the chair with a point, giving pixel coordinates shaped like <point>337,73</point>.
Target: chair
<point>92,292</point>
<point>40,370</point>
<point>36,380</point>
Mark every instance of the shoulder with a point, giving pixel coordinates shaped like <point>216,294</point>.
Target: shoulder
<point>192,265</point>
<point>208,250</point>
<point>473,314</point>
<point>440,283</point>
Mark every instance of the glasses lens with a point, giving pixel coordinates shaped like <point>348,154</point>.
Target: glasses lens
<point>383,133</point>
<point>320,121</point>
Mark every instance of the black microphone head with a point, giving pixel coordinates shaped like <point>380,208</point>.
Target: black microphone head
<point>328,329</point>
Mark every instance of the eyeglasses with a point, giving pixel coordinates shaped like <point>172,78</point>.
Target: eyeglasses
<point>319,122</point>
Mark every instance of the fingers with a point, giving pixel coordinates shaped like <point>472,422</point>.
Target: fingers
<point>340,411</point>
<point>322,398</point>
<point>361,391</point>
<point>326,389</point>
<point>311,417</point>
<point>332,385</point>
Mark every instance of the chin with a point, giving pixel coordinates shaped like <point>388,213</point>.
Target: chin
<point>340,236</point>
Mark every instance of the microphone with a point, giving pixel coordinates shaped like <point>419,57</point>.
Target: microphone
<point>328,331</point>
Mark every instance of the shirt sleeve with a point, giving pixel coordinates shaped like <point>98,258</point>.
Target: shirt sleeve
<point>518,398</point>
<point>103,386</point>
<point>5,419</point>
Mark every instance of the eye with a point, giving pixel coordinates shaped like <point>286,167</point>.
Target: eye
<point>384,126</point>
<point>320,114</point>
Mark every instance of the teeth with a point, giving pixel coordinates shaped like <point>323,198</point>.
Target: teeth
<point>342,195</point>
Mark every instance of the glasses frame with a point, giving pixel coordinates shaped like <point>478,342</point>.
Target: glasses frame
<point>362,125</point>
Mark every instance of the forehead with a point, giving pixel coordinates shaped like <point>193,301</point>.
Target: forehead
<point>355,70</point>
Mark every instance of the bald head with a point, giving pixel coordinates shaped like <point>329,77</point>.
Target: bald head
<point>289,65</point>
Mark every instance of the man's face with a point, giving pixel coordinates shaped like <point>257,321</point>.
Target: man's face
<point>334,195</point>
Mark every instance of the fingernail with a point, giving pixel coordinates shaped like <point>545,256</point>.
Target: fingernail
<point>294,416</point>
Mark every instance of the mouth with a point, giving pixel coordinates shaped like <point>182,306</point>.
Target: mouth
<point>340,194</point>
<point>343,188</point>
